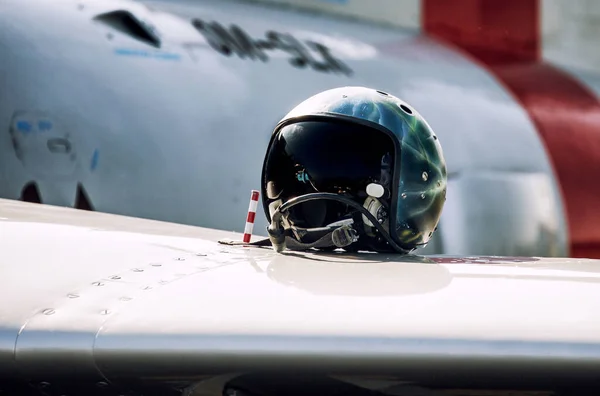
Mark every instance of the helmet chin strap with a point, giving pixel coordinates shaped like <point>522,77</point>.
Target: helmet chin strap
<point>339,234</point>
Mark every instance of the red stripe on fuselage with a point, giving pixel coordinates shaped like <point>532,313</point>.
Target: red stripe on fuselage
<point>504,36</point>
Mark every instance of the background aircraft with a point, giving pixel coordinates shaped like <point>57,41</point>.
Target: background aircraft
<point>163,109</point>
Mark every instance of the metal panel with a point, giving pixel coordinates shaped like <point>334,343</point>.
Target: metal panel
<point>116,297</point>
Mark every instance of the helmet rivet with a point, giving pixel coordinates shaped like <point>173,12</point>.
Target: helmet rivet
<point>406,109</point>
<point>425,176</point>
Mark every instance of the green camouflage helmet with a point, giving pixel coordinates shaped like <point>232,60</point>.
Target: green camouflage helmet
<point>352,141</point>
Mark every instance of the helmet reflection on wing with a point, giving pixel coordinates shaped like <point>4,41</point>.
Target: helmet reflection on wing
<point>353,168</point>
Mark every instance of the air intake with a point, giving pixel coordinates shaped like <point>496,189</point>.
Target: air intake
<point>127,23</point>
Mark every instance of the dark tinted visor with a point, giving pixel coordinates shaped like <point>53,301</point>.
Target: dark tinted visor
<point>328,156</point>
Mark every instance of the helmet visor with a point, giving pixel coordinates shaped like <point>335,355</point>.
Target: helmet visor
<point>327,156</point>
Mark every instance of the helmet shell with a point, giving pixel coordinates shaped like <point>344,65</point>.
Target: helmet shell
<point>419,182</point>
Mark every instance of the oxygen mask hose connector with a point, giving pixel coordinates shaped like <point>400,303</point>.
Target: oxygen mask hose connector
<point>276,232</point>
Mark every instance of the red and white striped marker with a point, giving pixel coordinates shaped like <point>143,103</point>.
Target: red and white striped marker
<point>251,216</point>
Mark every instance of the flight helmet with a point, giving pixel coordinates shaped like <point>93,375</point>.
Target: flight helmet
<point>353,168</point>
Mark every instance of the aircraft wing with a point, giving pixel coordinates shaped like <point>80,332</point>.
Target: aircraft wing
<point>98,301</point>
